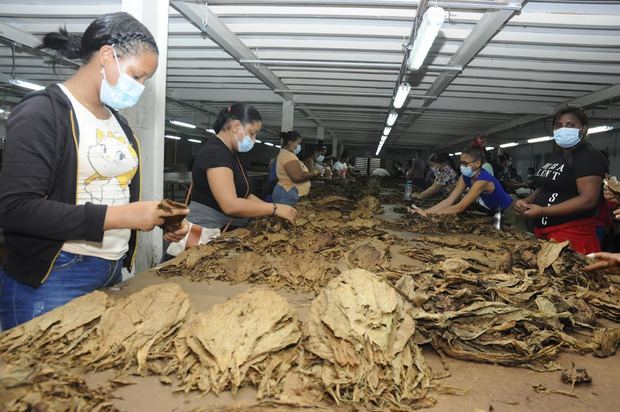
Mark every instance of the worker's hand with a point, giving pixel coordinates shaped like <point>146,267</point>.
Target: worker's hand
<point>610,196</point>
<point>533,211</point>
<point>178,235</point>
<point>143,216</point>
<point>617,214</point>
<point>521,206</point>
<point>286,212</point>
<point>603,261</point>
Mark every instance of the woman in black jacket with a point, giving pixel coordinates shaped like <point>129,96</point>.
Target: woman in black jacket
<point>70,185</point>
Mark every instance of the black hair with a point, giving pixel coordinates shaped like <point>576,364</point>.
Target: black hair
<point>577,112</point>
<point>436,157</point>
<point>121,30</point>
<point>289,136</point>
<point>243,112</point>
<point>474,152</point>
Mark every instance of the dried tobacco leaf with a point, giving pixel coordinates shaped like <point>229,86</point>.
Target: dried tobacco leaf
<point>171,223</point>
<point>549,253</point>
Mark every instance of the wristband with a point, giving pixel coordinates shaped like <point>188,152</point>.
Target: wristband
<point>275,208</point>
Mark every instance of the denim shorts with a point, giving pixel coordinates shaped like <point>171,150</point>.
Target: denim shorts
<point>71,276</point>
<point>280,195</point>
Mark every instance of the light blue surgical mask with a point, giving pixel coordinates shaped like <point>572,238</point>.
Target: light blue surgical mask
<point>124,94</point>
<point>467,171</point>
<point>297,149</point>
<point>566,137</point>
<point>245,144</point>
<point>320,158</point>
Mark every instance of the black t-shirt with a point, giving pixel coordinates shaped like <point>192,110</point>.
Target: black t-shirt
<point>214,154</point>
<point>557,180</point>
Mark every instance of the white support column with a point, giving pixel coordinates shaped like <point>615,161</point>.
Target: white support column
<point>288,113</point>
<point>335,148</point>
<point>320,133</point>
<point>147,120</point>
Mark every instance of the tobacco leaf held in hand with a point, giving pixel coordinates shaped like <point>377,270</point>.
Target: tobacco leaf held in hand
<point>171,223</point>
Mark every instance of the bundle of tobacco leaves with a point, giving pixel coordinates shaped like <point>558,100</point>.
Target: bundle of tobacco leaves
<point>29,384</point>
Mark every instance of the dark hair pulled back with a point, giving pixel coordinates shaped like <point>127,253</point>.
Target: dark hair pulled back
<point>121,30</point>
<point>243,112</point>
<point>289,136</point>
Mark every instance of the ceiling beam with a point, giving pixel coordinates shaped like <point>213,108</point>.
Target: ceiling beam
<point>486,28</point>
<point>210,24</point>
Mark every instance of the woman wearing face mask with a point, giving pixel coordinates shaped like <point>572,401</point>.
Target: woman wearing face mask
<point>70,184</point>
<point>221,196</point>
<point>445,176</point>
<point>314,160</point>
<point>293,175</point>
<point>481,185</point>
<point>569,185</point>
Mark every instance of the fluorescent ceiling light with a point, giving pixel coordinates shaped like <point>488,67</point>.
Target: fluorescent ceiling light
<point>183,124</point>
<point>387,131</point>
<point>401,95</point>
<point>540,139</point>
<point>489,148</point>
<point>278,146</point>
<point>26,85</point>
<point>431,23</point>
<point>194,140</point>
<point>392,119</point>
<point>172,137</point>
<point>511,144</point>
<point>457,153</point>
<point>258,141</point>
<point>269,144</point>
<point>600,129</point>
<point>383,138</point>
<point>451,154</point>
<point>210,131</point>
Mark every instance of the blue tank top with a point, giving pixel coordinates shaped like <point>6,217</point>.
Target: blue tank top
<point>498,199</point>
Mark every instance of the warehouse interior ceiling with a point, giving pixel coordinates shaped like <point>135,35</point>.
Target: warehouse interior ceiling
<point>497,68</point>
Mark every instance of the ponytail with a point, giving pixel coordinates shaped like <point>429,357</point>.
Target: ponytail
<point>289,136</point>
<point>243,112</point>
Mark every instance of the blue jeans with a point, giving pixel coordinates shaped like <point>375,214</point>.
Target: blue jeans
<point>280,195</point>
<point>71,277</point>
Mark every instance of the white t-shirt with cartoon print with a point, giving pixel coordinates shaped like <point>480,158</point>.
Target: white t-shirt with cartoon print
<point>106,164</point>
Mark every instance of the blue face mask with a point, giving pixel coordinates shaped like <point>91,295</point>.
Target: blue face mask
<point>297,149</point>
<point>245,144</point>
<point>124,94</point>
<point>320,158</point>
<point>467,171</point>
<point>566,137</point>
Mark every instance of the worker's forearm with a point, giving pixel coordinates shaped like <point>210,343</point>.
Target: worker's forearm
<point>571,206</point>
<point>247,208</point>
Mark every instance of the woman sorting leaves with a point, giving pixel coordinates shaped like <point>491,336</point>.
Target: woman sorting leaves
<point>445,176</point>
<point>293,175</point>
<point>481,185</point>
<point>70,184</point>
<point>221,194</point>
<point>565,205</point>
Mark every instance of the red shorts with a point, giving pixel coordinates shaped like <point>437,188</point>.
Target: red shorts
<point>580,233</point>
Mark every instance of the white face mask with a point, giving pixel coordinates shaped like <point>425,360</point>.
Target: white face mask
<point>320,158</point>
<point>124,94</point>
<point>297,149</point>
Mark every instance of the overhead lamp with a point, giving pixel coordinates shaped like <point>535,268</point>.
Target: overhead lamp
<point>451,154</point>
<point>269,144</point>
<point>600,129</point>
<point>194,140</point>
<point>489,148</point>
<point>278,146</point>
<point>168,136</point>
<point>457,153</point>
<point>210,131</point>
<point>26,85</point>
<point>383,138</point>
<point>401,95</point>
<point>540,139</point>
<point>183,124</point>
<point>258,141</point>
<point>392,118</point>
<point>506,145</point>
<point>387,131</point>
<point>428,31</point>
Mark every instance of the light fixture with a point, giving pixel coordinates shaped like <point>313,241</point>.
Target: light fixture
<point>383,138</point>
<point>457,153</point>
<point>431,23</point>
<point>258,141</point>
<point>511,144</point>
<point>387,131</point>
<point>489,148</point>
<point>278,146</point>
<point>600,129</point>
<point>26,85</point>
<point>392,119</point>
<point>540,139</point>
<point>182,124</point>
<point>451,154</point>
<point>168,136</point>
<point>194,140</point>
<point>210,131</point>
<point>269,144</point>
<point>401,95</point>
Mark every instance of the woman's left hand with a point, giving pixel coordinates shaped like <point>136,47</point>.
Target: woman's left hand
<point>533,211</point>
<point>178,234</point>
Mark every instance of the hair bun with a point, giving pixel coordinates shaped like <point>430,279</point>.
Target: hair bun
<point>65,45</point>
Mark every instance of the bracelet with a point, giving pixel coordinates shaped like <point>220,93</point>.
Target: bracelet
<point>275,208</point>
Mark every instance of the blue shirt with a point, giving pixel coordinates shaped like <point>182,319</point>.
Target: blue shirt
<point>498,198</point>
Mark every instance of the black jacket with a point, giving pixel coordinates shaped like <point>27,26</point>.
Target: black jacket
<point>38,187</point>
